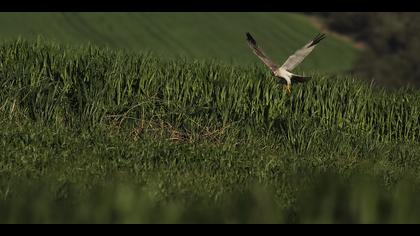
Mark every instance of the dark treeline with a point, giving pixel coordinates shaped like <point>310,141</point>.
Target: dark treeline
<point>391,57</point>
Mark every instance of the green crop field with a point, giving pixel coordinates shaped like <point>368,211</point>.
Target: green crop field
<point>101,135</point>
<point>218,36</point>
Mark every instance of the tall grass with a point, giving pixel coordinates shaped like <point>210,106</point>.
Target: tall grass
<point>90,86</point>
<point>91,134</point>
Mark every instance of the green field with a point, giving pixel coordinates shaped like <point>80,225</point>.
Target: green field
<point>220,36</point>
<point>109,136</point>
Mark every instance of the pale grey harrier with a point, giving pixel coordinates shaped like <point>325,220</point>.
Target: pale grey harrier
<point>283,72</point>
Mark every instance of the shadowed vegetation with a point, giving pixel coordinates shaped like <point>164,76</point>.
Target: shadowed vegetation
<point>391,39</point>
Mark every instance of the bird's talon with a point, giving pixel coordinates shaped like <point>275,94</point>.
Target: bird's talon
<point>288,89</point>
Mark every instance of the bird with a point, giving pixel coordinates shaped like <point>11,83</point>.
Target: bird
<point>284,72</point>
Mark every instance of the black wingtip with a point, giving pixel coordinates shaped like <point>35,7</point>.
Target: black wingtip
<point>250,39</point>
<point>318,39</point>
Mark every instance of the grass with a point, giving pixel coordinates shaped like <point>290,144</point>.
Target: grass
<point>92,134</point>
<point>219,36</point>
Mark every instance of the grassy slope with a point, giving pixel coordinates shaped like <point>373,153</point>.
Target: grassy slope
<point>200,35</point>
<point>91,135</point>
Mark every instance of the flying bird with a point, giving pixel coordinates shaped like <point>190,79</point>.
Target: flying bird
<point>284,72</point>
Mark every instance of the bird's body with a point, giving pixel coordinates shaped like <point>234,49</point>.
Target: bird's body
<point>283,72</point>
<point>285,75</point>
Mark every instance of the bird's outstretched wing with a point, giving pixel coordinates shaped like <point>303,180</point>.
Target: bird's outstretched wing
<point>295,59</point>
<point>260,54</point>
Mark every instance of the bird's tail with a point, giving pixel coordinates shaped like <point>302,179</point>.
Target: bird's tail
<point>300,78</point>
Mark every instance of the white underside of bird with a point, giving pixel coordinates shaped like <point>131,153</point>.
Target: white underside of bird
<point>286,75</point>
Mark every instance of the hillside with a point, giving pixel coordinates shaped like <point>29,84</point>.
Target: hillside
<point>197,35</point>
<point>100,135</point>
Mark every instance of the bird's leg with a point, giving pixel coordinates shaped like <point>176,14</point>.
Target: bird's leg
<point>288,88</point>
